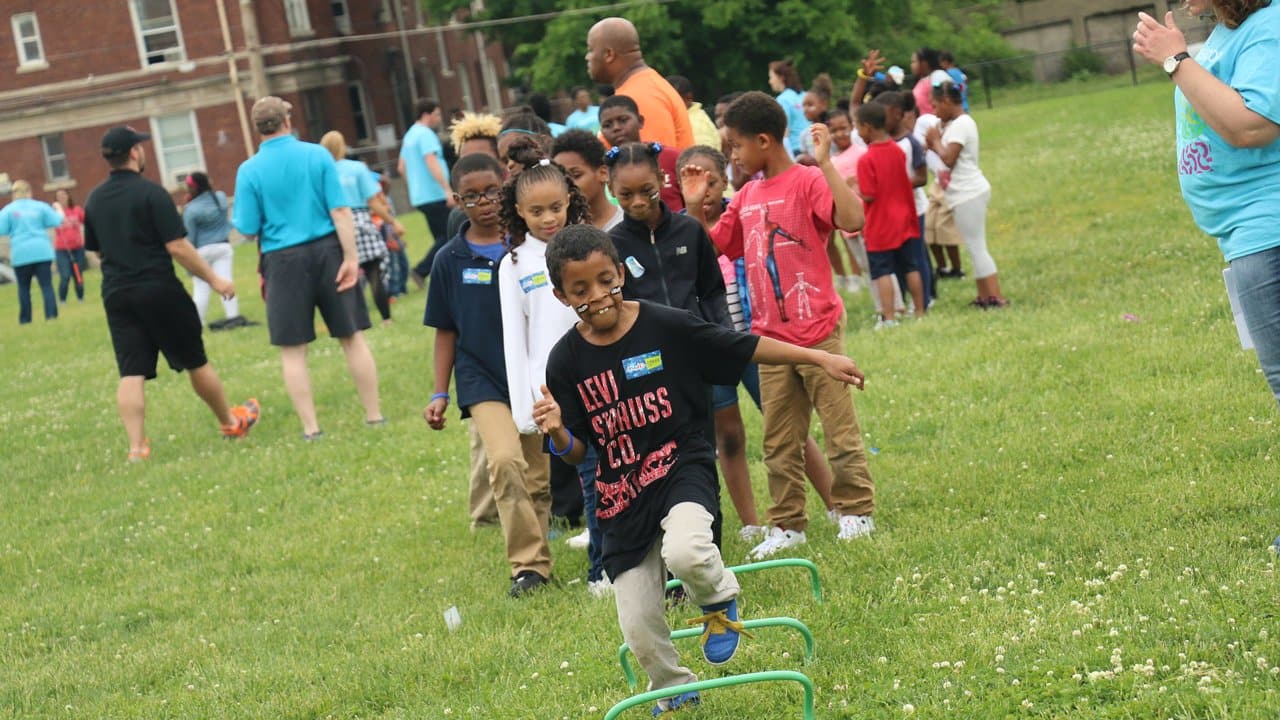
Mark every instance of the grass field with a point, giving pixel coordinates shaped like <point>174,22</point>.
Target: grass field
<point>1076,502</point>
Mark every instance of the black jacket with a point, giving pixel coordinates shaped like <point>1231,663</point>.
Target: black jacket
<point>674,264</point>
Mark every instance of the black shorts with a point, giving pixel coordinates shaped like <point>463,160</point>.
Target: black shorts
<point>893,262</point>
<point>300,280</point>
<point>152,319</point>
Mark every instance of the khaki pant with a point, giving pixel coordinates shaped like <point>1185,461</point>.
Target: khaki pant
<point>480,503</point>
<point>788,395</point>
<point>686,548</point>
<point>519,475</point>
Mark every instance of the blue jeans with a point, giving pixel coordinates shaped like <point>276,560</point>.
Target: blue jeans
<point>44,275</point>
<point>1257,279</point>
<point>595,548</point>
<point>66,275</point>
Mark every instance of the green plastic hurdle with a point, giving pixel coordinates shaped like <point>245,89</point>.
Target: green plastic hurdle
<point>769,564</point>
<point>803,629</point>
<point>757,677</point>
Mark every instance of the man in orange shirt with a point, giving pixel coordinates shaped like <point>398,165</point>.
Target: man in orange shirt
<point>614,58</point>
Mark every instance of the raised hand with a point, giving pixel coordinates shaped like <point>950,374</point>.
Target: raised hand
<point>546,413</point>
<point>693,185</point>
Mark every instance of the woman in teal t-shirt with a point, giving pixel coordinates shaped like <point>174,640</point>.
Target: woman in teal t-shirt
<point>1228,117</point>
<point>784,79</point>
<point>27,223</point>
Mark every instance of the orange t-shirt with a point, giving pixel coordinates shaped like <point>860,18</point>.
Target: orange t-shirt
<point>665,118</point>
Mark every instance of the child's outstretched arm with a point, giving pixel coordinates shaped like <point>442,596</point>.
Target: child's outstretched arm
<point>848,209</point>
<point>546,412</point>
<point>776,352</point>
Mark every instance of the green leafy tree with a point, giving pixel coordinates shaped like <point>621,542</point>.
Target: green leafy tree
<point>726,45</point>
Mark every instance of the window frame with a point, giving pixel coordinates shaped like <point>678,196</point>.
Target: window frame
<point>140,37</point>
<point>295,11</point>
<point>169,175</point>
<point>364,111</point>
<point>19,41</point>
<point>49,158</point>
<point>341,22</point>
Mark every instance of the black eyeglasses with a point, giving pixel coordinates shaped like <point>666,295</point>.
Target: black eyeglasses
<point>471,200</point>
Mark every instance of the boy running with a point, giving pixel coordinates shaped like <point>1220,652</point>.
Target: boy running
<point>632,378</point>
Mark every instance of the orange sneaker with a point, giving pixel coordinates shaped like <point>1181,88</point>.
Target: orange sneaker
<point>140,455</point>
<point>245,416</point>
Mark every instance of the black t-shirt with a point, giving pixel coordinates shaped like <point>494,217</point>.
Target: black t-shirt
<point>128,219</point>
<point>642,402</point>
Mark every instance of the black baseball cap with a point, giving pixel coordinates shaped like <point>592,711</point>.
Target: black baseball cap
<point>120,140</point>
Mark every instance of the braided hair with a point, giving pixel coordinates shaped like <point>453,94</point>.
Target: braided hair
<point>537,169</point>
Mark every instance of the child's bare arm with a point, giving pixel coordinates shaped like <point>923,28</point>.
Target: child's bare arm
<point>848,209</point>
<point>776,352</point>
<point>443,356</point>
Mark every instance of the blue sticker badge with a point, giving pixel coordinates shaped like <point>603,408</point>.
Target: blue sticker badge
<point>641,365</point>
<point>477,276</point>
<point>529,283</point>
<point>637,270</point>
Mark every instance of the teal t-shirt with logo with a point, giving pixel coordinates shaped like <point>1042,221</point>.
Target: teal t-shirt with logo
<point>1233,192</point>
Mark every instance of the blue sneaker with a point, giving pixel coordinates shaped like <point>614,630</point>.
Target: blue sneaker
<point>720,631</point>
<point>672,704</point>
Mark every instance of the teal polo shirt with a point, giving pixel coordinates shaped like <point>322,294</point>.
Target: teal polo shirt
<point>285,192</point>
<point>27,223</point>
<point>358,184</point>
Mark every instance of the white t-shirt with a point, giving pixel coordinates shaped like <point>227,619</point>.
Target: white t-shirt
<point>967,180</point>
<point>923,123</point>
<point>922,201</point>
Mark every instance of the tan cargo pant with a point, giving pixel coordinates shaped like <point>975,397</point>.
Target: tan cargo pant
<point>789,394</point>
<point>519,474</point>
<point>480,503</point>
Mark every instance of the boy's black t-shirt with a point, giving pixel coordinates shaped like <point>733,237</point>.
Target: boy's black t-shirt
<point>642,402</point>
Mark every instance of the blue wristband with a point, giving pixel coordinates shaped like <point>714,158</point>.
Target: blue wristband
<point>440,396</point>
<point>551,445</point>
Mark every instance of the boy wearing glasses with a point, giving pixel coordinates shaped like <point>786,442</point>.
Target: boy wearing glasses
<point>464,307</point>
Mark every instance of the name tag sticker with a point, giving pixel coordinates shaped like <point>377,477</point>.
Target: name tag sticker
<point>683,249</point>
<point>637,270</point>
<point>477,276</point>
<point>641,365</point>
<point>529,283</point>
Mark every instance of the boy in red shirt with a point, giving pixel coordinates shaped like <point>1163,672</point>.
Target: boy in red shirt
<point>781,225</point>
<point>892,231</point>
<point>620,123</point>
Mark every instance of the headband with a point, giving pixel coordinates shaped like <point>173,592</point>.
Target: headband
<point>522,131</point>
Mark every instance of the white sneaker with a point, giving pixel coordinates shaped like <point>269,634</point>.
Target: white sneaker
<point>777,539</point>
<point>834,516</point>
<point>600,589</point>
<point>883,324</point>
<point>579,541</point>
<point>853,527</point>
<point>752,533</point>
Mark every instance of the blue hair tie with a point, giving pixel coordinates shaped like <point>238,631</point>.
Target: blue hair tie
<point>611,155</point>
<point>655,148</point>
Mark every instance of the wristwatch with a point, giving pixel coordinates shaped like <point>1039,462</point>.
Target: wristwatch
<point>1171,63</point>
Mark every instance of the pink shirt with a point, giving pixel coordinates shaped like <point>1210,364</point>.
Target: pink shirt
<point>781,226</point>
<point>69,235</point>
<point>923,91</point>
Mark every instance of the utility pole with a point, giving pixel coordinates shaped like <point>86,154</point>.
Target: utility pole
<point>253,47</point>
<point>234,71</point>
<point>408,57</point>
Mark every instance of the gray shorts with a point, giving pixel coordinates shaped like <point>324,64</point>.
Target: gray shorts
<point>302,279</point>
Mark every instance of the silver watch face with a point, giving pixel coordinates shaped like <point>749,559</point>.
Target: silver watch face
<point>1170,64</point>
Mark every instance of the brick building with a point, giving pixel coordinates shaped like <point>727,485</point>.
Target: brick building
<point>71,69</point>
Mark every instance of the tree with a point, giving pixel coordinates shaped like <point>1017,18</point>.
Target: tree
<point>726,45</point>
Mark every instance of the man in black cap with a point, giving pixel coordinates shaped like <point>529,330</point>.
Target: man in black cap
<point>133,224</point>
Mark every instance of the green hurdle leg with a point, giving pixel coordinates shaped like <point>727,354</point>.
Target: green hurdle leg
<point>769,564</point>
<point>757,677</point>
<point>803,629</point>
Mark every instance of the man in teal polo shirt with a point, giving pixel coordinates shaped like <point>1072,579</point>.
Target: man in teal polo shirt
<point>289,197</point>
<point>423,167</point>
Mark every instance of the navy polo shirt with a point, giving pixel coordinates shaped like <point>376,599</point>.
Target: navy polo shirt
<point>463,298</point>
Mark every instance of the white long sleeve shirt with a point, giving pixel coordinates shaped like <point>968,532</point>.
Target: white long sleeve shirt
<point>533,321</point>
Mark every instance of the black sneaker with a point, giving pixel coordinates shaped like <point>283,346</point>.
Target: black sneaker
<point>526,582</point>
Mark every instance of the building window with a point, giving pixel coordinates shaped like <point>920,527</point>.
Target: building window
<point>177,145</point>
<point>26,35</point>
<point>341,16</point>
<point>313,109</point>
<point>464,81</point>
<point>155,22</point>
<point>295,11</point>
<point>359,110</point>
<point>55,158</point>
